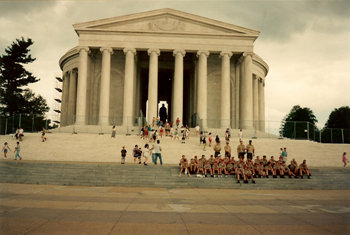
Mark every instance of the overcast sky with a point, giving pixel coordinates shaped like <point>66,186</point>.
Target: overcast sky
<point>305,43</point>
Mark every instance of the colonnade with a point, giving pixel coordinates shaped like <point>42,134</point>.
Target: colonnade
<point>249,89</point>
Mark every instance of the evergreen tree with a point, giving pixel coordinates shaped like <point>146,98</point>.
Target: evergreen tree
<point>337,128</point>
<point>296,122</point>
<point>14,78</point>
<point>339,118</point>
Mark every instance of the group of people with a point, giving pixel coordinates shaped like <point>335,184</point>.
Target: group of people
<point>154,132</point>
<point>6,148</point>
<point>242,169</point>
<point>138,154</point>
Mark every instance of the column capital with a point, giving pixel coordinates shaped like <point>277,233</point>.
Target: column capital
<point>86,49</point>
<point>206,53</point>
<point>248,53</point>
<point>108,49</point>
<point>181,52</point>
<point>224,53</point>
<point>155,50</point>
<point>132,50</point>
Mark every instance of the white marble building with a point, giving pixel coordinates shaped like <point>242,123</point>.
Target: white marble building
<point>204,69</point>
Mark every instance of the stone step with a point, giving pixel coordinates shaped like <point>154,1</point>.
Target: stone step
<point>103,174</point>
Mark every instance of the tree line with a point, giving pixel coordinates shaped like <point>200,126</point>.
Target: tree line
<point>300,123</point>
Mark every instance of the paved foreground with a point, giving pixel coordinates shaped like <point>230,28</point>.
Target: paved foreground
<point>52,209</point>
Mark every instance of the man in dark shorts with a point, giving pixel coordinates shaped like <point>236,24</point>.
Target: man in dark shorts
<point>250,150</point>
<point>241,150</point>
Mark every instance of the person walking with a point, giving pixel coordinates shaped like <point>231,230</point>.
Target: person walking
<point>5,149</point>
<point>345,160</point>
<point>17,150</point>
<point>146,154</point>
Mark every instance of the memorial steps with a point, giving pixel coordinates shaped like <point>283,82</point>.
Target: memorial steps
<point>114,174</point>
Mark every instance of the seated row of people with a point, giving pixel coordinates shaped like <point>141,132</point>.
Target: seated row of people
<point>218,167</point>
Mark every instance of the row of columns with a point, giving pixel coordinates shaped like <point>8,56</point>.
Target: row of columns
<point>246,98</point>
<point>68,101</point>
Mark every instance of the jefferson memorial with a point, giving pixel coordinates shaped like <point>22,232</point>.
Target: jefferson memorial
<point>204,71</point>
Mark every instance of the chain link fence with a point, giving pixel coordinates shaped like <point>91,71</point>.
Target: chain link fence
<point>132,125</point>
<point>29,123</point>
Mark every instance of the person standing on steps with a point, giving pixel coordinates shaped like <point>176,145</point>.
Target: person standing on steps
<point>163,114</point>
<point>157,153</point>
<point>114,131</point>
<point>241,150</point>
<point>250,150</point>
<point>17,150</point>
<point>123,155</point>
<point>240,135</point>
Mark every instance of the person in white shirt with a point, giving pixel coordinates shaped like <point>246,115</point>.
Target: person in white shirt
<point>157,153</point>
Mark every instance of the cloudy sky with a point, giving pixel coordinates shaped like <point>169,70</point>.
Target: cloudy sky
<point>305,43</point>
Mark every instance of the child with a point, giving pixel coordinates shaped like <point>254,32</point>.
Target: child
<point>161,131</point>
<point>210,139</point>
<point>123,155</point>
<point>43,132</point>
<point>201,138</point>
<point>146,154</point>
<point>345,160</point>
<point>5,149</point>
<point>204,141</point>
<point>17,150</point>
<point>183,139</point>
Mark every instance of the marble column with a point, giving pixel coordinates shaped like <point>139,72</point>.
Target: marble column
<point>237,91</point>
<point>225,89</point>
<point>261,105</point>
<point>65,92</point>
<point>247,95</point>
<point>202,88</point>
<point>256,102</point>
<point>129,86</point>
<point>105,86</point>
<point>153,84</point>
<point>178,85</point>
<point>72,96</point>
<point>82,86</point>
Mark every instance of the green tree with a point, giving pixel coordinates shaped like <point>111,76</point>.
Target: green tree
<point>339,118</point>
<point>18,103</point>
<point>14,78</point>
<point>297,121</point>
<point>337,128</point>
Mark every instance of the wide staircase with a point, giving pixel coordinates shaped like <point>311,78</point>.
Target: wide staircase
<point>113,174</point>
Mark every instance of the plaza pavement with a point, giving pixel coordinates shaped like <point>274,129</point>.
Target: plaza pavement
<point>49,209</point>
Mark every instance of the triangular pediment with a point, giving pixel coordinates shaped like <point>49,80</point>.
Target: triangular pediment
<point>165,21</point>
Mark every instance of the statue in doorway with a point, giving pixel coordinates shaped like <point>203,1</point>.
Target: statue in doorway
<point>162,114</point>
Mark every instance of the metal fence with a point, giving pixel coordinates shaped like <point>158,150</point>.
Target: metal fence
<point>308,131</point>
<point>267,129</point>
<point>29,123</point>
